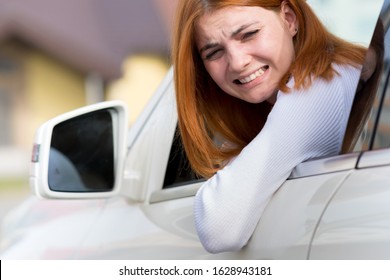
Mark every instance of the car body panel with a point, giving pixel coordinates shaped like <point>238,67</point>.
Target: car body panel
<point>48,229</point>
<point>287,226</point>
<point>356,224</point>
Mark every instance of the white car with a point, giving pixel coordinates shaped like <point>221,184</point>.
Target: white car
<point>118,196</point>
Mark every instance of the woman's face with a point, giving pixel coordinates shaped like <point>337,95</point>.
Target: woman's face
<point>247,50</point>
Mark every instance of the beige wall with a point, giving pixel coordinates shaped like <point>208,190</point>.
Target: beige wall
<point>51,88</point>
<point>142,75</point>
<point>39,87</point>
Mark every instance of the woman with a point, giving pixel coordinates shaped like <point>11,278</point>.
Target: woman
<point>268,79</point>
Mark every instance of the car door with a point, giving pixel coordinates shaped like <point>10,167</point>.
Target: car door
<point>286,228</point>
<point>154,218</point>
<point>356,224</point>
<point>167,206</point>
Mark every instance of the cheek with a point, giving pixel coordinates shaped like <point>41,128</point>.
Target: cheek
<point>280,47</point>
<point>216,72</point>
<point>289,48</point>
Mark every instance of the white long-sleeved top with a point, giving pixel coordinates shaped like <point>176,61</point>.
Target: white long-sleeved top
<point>303,124</point>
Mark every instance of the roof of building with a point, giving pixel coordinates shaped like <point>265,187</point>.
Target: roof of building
<point>90,35</point>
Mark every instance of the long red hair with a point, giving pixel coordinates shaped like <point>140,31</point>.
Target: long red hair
<point>206,112</point>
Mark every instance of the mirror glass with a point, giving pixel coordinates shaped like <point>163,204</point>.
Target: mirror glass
<point>82,154</point>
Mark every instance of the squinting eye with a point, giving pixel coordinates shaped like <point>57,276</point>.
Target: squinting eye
<point>213,55</point>
<point>249,34</point>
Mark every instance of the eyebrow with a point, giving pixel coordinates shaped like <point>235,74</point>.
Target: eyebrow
<point>241,28</point>
<point>207,47</point>
<point>234,33</point>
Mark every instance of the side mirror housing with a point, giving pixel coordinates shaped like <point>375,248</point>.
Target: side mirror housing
<point>81,154</point>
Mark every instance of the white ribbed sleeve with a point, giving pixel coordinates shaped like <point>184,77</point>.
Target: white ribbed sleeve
<point>303,124</point>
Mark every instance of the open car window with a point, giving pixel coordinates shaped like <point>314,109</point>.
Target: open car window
<point>365,131</point>
<point>178,170</point>
<point>381,131</point>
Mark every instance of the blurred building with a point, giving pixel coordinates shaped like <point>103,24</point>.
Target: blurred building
<point>58,55</point>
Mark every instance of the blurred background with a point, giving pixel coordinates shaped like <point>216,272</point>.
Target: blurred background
<point>58,55</point>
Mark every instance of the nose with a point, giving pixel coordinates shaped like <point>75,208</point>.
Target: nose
<point>238,59</point>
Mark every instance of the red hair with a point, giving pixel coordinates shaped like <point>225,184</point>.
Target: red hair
<point>206,112</point>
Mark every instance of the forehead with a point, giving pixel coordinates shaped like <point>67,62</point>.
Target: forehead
<point>226,20</point>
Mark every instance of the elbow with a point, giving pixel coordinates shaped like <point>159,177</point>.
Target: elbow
<point>220,241</point>
<point>218,230</point>
<point>222,247</point>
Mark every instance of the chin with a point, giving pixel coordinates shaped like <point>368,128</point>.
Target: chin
<point>254,100</point>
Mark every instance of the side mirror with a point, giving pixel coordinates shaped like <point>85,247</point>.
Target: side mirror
<point>81,154</point>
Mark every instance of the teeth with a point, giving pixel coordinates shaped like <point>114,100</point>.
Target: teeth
<point>253,76</point>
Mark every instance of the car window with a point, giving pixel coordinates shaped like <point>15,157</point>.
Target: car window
<point>363,121</point>
<point>382,132</point>
<point>178,170</point>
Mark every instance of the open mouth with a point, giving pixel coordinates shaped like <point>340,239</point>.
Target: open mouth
<point>251,77</point>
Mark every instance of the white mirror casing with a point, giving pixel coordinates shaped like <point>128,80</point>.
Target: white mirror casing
<point>41,169</point>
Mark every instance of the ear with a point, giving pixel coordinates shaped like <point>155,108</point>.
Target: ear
<point>289,17</point>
